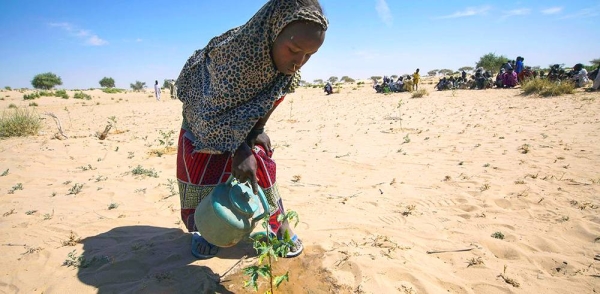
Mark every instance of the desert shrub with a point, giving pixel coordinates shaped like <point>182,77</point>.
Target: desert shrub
<point>81,95</point>
<point>12,105</point>
<point>31,96</point>
<point>545,88</point>
<point>33,104</point>
<point>420,93</point>
<point>46,81</point>
<point>61,93</point>
<point>18,123</point>
<point>8,88</point>
<point>112,90</point>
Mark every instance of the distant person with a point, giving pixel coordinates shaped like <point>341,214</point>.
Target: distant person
<point>328,88</point>
<point>509,79</point>
<point>595,76</point>
<point>519,65</point>
<point>416,79</point>
<point>500,78</point>
<point>580,75</point>
<point>157,90</point>
<point>464,76</point>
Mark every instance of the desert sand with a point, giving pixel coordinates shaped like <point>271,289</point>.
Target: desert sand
<point>391,199</point>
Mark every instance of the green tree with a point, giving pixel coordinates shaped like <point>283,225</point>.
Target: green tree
<point>595,61</point>
<point>318,81</point>
<point>138,86</point>
<point>107,82</point>
<point>466,68</point>
<point>432,73</point>
<point>332,80</point>
<point>347,79</point>
<point>446,71</point>
<point>46,81</point>
<point>491,62</point>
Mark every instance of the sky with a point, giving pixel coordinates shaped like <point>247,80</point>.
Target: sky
<point>84,41</point>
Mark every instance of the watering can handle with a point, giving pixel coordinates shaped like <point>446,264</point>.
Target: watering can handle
<point>261,197</point>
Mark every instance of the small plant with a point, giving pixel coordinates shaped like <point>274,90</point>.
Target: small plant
<point>524,148</point>
<point>296,178</point>
<point>81,95</point>
<point>48,216</point>
<point>498,235</point>
<point>12,211</point>
<point>16,187</point>
<point>77,261</point>
<point>171,186</point>
<point>31,96</point>
<point>112,121</point>
<point>139,170</point>
<point>507,279</point>
<point>33,104</point>
<point>130,155</point>
<point>269,249</point>
<point>167,138</point>
<point>420,93</point>
<point>399,106</point>
<point>113,206</point>
<point>88,167</point>
<point>30,212</point>
<point>4,173</point>
<point>406,139</point>
<point>75,189</point>
<point>485,187</point>
<point>486,165</point>
<point>409,210</point>
<point>473,261</point>
<point>19,123</point>
<point>72,241</point>
<point>519,182</point>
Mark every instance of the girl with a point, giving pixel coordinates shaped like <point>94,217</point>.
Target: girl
<point>229,89</point>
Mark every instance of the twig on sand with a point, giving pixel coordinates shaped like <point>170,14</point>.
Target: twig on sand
<point>13,244</point>
<point>233,266</point>
<point>444,251</point>
<point>103,135</point>
<point>60,130</point>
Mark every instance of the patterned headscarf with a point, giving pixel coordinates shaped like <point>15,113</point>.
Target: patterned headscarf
<point>231,83</point>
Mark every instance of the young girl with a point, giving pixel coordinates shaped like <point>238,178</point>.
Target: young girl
<point>229,89</point>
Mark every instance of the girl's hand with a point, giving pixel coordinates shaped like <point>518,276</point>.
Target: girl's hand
<point>243,166</point>
<point>264,141</point>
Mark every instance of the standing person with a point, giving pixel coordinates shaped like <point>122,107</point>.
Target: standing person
<point>156,90</point>
<point>229,90</point>
<point>416,79</point>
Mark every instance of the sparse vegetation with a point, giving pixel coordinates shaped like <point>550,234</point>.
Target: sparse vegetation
<point>16,187</point>
<point>138,86</point>
<point>139,170</point>
<point>75,189</point>
<point>107,82</point>
<point>420,93</point>
<point>473,261</point>
<point>19,123</point>
<point>113,206</point>
<point>81,95</point>
<point>46,81</point>
<point>4,173</point>
<point>546,88</point>
<point>498,235</point>
<point>507,279</point>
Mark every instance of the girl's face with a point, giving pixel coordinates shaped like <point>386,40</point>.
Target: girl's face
<point>294,46</point>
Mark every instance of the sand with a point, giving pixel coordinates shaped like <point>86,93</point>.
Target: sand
<point>378,196</point>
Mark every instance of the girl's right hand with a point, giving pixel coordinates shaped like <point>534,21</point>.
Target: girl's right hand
<point>243,166</point>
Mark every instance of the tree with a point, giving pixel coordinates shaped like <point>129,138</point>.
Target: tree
<point>394,76</point>
<point>318,81</point>
<point>303,83</point>
<point>138,86</point>
<point>107,82</point>
<point>347,79</point>
<point>595,61</point>
<point>375,78</point>
<point>332,80</point>
<point>466,68</point>
<point>432,73</point>
<point>46,81</point>
<point>491,62</point>
<point>446,71</point>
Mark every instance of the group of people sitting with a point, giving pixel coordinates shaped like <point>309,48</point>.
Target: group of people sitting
<point>402,84</point>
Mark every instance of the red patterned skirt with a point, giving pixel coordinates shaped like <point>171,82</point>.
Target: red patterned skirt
<point>199,173</point>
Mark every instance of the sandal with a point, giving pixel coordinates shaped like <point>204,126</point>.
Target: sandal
<point>201,248</point>
<point>296,249</point>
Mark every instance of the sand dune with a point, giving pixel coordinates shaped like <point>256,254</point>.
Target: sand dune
<point>375,194</point>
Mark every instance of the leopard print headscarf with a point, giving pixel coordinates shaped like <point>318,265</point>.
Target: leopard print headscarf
<point>232,82</point>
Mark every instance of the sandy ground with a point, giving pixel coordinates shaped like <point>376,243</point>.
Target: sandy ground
<point>379,197</point>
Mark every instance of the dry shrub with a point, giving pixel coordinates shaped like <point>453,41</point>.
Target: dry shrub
<point>19,122</point>
<point>420,93</point>
<point>546,88</point>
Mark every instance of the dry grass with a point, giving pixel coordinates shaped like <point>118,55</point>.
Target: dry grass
<point>547,88</point>
<point>420,93</point>
<point>19,122</point>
